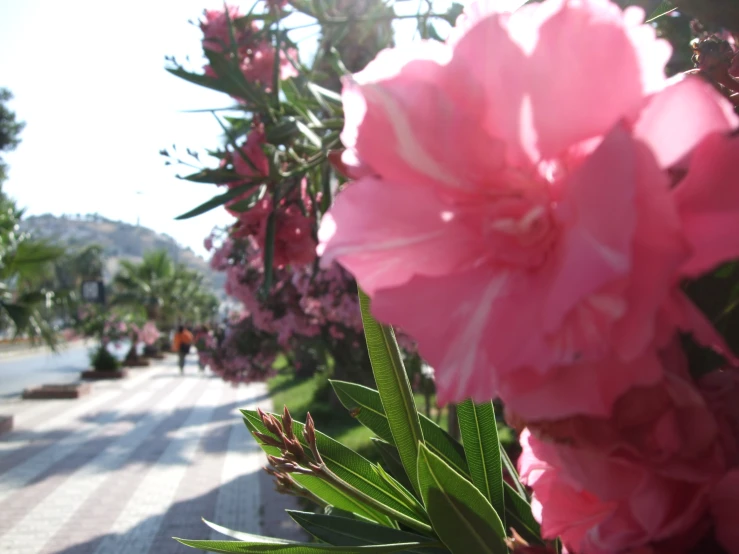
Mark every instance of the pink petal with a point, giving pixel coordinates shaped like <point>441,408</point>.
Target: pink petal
<point>708,203</point>
<point>725,511</point>
<point>683,314</point>
<point>402,121</point>
<point>463,324</point>
<point>598,213</point>
<point>384,233</point>
<point>702,111</point>
<point>658,251</point>
<point>588,388</point>
<point>592,62</point>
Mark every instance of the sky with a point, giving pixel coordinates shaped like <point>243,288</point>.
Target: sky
<point>89,81</point>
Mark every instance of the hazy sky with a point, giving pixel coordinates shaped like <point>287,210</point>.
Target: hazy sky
<point>89,81</point>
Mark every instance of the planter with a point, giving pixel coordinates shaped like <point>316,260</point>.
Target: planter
<point>141,362</point>
<point>6,424</point>
<point>97,375</point>
<point>55,392</point>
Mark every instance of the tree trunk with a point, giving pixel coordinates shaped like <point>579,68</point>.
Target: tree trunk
<point>453,423</point>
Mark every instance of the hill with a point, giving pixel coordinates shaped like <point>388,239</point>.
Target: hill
<point>120,241</point>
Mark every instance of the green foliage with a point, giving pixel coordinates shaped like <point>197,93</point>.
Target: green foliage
<point>462,517</point>
<point>454,500</point>
<point>102,360</point>
<point>163,291</point>
<point>10,130</point>
<point>395,390</point>
<point>480,435</point>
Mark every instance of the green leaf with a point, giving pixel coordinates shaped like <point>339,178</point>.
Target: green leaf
<point>256,547</point>
<point>462,517</point>
<point>310,135</point>
<point>213,176</point>
<point>663,9</point>
<point>279,134</point>
<point>202,80</point>
<point>394,465</point>
<point>365,405</point>
<point>242,536</point>
<point>216,201</point>
<point>360,473</point>
<point>519,516</point>
<point>343,531</point>
<point>480,438</point>
<point>327,492</point>
<point>394,388</point>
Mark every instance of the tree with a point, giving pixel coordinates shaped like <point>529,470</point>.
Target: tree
<point>166,292</point>
<point>26,264</point>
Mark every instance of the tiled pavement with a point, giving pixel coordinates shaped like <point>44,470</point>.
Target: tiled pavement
<point>133,464</point>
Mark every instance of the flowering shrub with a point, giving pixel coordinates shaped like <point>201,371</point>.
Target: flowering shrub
<point>555,224</point>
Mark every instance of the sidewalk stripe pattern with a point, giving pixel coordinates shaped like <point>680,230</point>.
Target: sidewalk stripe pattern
<point>131,466</point>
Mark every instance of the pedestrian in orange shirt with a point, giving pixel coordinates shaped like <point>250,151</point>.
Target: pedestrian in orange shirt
<point>181,345</point>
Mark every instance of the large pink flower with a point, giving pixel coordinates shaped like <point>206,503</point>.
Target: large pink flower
<point>601,504</point>
<point>518,215</point>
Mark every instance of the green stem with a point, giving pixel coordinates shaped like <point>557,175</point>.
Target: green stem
<point>329,475</point>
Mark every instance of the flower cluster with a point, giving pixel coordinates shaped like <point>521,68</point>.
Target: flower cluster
<point>254,51</point>
<point>304,303</point>
<point>527,200</point>
<point>149,334</point>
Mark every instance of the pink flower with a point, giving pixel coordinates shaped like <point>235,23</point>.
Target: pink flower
<point>251,162</point>
<point>513,238</point>
<point>149,333</point>
<point>215,28</point>
<point>294,242</point>
<point>725,511</point>
<point>598,503</point>
<point>259,66</point>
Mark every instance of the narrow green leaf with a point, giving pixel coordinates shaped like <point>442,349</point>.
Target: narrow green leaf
<point>394,388</point>
<point>269,252</point>
<point>242,536</point>
<point>212,176</point>
<point>462,517</point>
<point>360,473</point>
<point>310,135</point>
<point>256,547</point>
<point>216,201</point>
<point>394,465</point>
<point>511,469</point>
<point>663,9</point>
<point>519,516</point>
<point>365,405</point>
<point>343,531</point>
<point>327,492</point>
<point>480,438</point>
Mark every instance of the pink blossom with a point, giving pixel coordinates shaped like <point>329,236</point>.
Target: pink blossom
<point>149,333</point>
<point>725,511</point>
<point>294,242</point>
<point>259,66</point>
<point>215,28</point>
<point>510,238</point>
<point>598,503</point>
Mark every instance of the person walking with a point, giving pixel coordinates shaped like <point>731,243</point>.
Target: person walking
<point>181,344</point>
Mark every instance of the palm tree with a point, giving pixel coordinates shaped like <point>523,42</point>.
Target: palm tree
<point>26,265</point>
<point>168,293</point>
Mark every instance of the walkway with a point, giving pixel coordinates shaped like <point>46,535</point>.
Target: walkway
<point>136,462</point>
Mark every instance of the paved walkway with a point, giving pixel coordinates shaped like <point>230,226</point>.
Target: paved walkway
<point>136,462</point>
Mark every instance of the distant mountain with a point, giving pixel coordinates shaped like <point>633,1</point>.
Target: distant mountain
<point>120,241</point>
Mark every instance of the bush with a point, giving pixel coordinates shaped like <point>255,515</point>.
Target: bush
<point>102,360</point>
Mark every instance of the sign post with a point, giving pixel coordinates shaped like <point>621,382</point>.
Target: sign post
<point>93,291</point>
